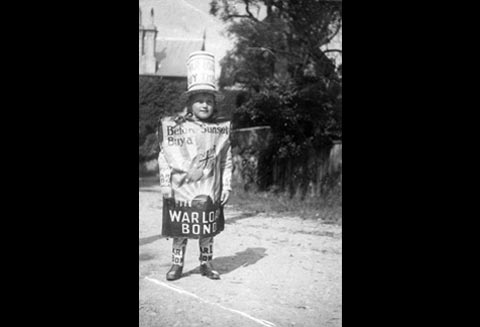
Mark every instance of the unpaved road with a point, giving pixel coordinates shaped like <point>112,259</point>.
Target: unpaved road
<point>276,271</point>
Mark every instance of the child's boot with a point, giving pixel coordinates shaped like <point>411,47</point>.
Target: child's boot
<point>175,272</point>
<point>178,254</point>
<point>206,254</point>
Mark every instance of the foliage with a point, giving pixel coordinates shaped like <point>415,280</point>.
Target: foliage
<point>157,98</point>
<point>287,41</point>
<point>227,103</point>
<point>290,83</point>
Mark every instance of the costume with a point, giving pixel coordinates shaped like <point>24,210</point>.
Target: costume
<point>196,164</point>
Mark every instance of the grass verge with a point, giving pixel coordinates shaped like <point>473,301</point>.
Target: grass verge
<point>327,208</point>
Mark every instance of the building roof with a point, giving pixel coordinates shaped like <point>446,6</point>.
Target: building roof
<point>172,55</point>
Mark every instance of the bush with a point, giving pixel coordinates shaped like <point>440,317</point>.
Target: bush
<point>157,98</point>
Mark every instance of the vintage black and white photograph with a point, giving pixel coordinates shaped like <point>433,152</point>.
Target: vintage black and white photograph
<point>240,163</point>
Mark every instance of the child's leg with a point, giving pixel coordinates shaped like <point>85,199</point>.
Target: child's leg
<point>178,255</point>
<point>206,256</point>
<point>179,247</point>
<point>206,249</point>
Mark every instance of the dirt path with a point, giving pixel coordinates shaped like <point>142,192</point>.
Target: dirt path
<point>276,271</point>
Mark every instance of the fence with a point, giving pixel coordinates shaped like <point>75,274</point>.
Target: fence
<point>312,175</point>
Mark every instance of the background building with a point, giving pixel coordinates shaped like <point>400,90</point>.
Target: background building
<point>169,30</point>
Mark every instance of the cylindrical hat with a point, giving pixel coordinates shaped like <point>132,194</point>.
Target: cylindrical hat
<point>201,72</point>
<point>201,75</point>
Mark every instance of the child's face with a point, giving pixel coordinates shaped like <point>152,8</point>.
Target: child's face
<point>202,105</point>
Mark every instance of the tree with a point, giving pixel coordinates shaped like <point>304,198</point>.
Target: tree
<point>292,84</point>
<point>287,40</point>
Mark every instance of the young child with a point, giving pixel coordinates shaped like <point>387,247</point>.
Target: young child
<point>195,169</point>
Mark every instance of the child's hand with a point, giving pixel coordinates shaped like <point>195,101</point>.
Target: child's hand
<point>224,198</point>
<point>166,192</point>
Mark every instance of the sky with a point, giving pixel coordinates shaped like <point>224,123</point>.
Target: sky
<point>190,18</point>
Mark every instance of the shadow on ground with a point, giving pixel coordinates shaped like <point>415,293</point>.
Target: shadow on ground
<point>145,256</point>
<point>240,217</point>
<point>224,265</point>
<point>150,239</point>
<point>148,190</point>
<point>148,181</point>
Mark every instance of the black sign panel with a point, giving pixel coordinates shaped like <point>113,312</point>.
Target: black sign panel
<point>198,220</point>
